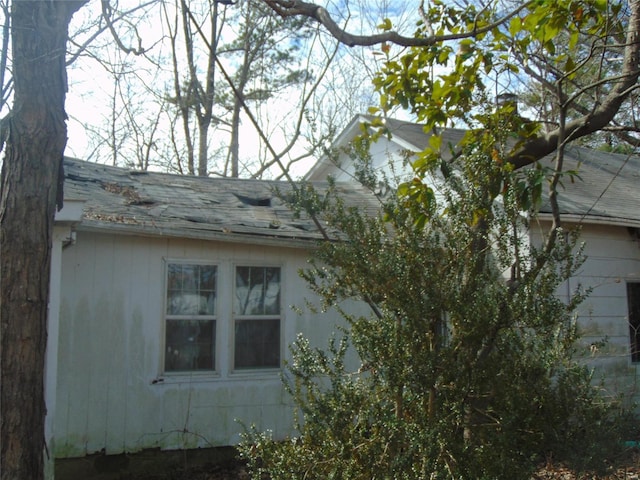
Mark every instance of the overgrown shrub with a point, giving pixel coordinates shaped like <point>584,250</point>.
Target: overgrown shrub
<point>465,363</point>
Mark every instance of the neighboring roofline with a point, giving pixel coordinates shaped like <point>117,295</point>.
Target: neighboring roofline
<point>609,208</point>
<point>347,135</point>
<point>591,220</point>
<point>342,139</point>
<point>235,238</point>
<point>353,128</point>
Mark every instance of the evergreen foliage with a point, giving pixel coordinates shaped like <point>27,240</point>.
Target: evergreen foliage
<point>465,361</point>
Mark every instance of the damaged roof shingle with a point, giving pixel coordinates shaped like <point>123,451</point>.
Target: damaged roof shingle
<point>160,204</point>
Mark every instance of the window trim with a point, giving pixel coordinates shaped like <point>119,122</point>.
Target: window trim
<point>251,371</point>
<point>633,322</point>
<point>224,346</point>
<point>165,317</point>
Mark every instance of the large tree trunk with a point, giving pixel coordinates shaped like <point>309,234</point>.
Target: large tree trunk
<point>31,177</point>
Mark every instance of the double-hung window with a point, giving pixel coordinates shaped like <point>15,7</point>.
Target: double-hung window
<point>190,330</point>
<point>256,317</point>
<point>633,303</point>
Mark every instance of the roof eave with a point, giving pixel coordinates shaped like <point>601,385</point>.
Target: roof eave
<point>592,220</point>
<point>210,235</point>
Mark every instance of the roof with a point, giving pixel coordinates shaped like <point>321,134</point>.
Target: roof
<point>606,190</point>
<point>119,200</point>
<point>408,135</point>
<point>414,136</point>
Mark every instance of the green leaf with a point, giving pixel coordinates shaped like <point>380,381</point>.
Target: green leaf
<point>574,36</point>
<point>515,26</point>
<point>385,25</point>
<point>435,141</point>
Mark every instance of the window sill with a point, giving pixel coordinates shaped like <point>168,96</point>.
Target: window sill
<point>185,377</point>
<point>209,377</point>
<point>256,373</point>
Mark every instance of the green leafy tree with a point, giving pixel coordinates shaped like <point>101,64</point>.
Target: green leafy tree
<point>459,54</point>
<point>584,64</point>
<point>465,360</point>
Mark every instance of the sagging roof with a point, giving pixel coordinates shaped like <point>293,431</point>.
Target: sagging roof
<point>146,203</point>
<point>606,189</point>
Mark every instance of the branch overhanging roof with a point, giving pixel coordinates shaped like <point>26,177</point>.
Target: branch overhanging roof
<point>606,189</point>
<point>119,200</point>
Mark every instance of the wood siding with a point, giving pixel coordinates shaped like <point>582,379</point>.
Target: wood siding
<point>612,260</point>
<point>112,395</point>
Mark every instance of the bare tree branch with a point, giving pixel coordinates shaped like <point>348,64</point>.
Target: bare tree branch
<point>290,8</point>
<point>106,14</point>
<point>181,102</point>
<point>109,25</point>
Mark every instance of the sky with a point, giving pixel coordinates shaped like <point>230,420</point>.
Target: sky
<point>91,85</point>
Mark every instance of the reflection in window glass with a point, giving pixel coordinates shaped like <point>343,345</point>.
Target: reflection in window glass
<point>633,304</point>
<point>257,291</point>
<point>191,289</point>
<point>190,325</point>
<point>257,343</point>
<point>190,345</point>
<point>257,317</point>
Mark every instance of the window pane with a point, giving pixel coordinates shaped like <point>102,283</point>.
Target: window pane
<point>191,289</point>
<point>207,277</point>
<point>257,343</point>
<point>633,300</point>
<point>190,345</point>
<point>257,291</point>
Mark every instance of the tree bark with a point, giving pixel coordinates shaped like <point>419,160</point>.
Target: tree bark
<point>30,189</point>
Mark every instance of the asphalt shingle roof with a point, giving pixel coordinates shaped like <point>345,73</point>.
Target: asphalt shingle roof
<point>160,204</point>
<point>607,189</point>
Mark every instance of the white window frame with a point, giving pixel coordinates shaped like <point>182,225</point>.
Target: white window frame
<point>633,320</point>
<point>199,317</point>
<point>235,317</point>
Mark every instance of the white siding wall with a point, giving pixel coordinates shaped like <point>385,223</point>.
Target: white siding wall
<point>613,259</point>
<point>387,160</point>
<point>111,342</point>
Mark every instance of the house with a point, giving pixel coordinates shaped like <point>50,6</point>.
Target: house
<point>173,302</point>
<point>174,298</point>
<point>604,202</point>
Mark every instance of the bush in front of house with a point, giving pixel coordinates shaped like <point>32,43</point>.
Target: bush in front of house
<point>464,366</point>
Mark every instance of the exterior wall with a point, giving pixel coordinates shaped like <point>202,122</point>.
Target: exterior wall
<point>386,157</point>
<point>612,260</point>
<point>61,235</point>
<point>112,395</point>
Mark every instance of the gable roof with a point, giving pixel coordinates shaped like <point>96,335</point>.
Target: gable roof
<point>119,200</point>
<point>407,135</point>
<point>607,190</point>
